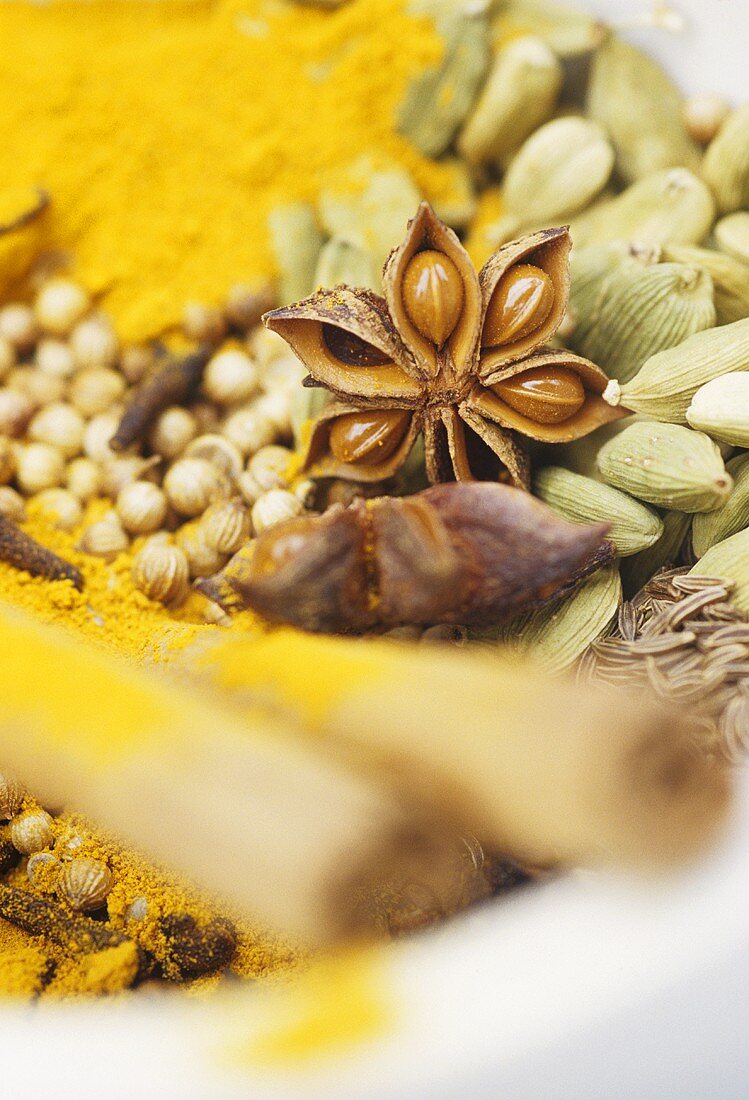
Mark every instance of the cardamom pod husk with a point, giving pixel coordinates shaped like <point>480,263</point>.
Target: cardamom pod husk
<point>640,568</point>
<point>340,261</point>
<point>437,101</point>
<point>709,528</point>
<point>729,275</point>
<point>558,171</point>
<point>665,385</point>
<point>368,206</point>
<point>666,465</point>
<point>519,94</point>
<point>721,408</point>
<point>732,235</point>
<point>558,634</point>
<point>726,163</point>
<point>729,559</point>
<point>670,206</point>
<point>580,499</point>
<point>641,110</point>
<point>639,310</point>
<point>296,241</point>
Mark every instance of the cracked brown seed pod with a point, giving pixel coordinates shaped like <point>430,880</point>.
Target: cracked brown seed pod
<point>458,356</point>
<point>457,553</point>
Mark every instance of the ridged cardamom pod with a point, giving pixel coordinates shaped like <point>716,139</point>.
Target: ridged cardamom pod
<point>296,241</point>
<point>666,465</point>
<point>638,570</point>
<point>569,31</point>
<point>558,634</point>
<point>634,526</point>
<point>558,170</point>
<point>340,261</point>
<point>729,559</point>
<point>732,235</point>
<point>729,274</point>
<point>710,528</point>
<point>641,309</point>
<point>641,110</point>
<point>437,101</point>
<point>670,206</point>
<point>590,269</point>
<point>368,207</point>
<point>519,95</point>
<point>726,163</point>
<point>721,408</point>
<point>665,385</point>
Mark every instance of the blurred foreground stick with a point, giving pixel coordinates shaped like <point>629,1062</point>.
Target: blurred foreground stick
<point>531,765</point>
<point>298,841</point>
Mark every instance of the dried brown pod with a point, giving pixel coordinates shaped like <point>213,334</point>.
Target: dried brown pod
<point>458,356</point>
<point>170,384</point>
<point>20,550</point>
<point>470,553</point>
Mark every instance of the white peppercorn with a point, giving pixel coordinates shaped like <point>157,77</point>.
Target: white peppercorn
<point>18,326</point>
<point>95,389</point>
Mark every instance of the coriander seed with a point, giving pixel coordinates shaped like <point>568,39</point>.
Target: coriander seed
<point>12,794</point>
<point>230,377</point>
<point>270,466</point>
<point>85,884</point>
<point>31,831</point>
<point>60,425</point>
<point>202,323</point>
<point>172,431</point>
<point>248,429</point>
<point>83,479</point>
<point>94,343</point>
<point>54,357</point>
<point>191,484</point>
<point>105,539</point>
<point>12,504</point>
<point>39,466</point>
<point>62,506</point>
<point>274,507</point>
<point>16,410</point>
<point>202,559</point>
<point>225,526</point>
<point>161,571</point>
<point>141,506</point>
<point>96,389</point>
<point>60,305</point>
<point>18,326</point>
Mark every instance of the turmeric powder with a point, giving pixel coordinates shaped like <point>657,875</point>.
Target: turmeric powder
<point>248,104</point>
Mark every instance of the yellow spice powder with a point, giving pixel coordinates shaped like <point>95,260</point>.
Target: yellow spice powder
<point>166,133</point>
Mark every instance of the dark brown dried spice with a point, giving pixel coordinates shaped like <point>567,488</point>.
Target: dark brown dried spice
<point>170,384</point>
<point>20,550</point>
<point>460,553</point>
<point>444,353</point>
<point>194,949</point>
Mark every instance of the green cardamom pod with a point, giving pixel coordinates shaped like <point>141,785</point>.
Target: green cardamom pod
<point>670,206</point>
<point>581,456</point>
<point>519,95</point>
<point>569,31</point>
<point>709,528</point>
<point>634,526</point>
<point>730,278</point>
<point>560,632</point>
<point>296,241</point>
<point>666,465</point>
<point>368,206</point>
<point>665,385</point>
<point>721,408</point>
<point>558,170</point>
<point>729,559</point>
<point>340,261</point>
<point>732,235</point>
<point>437,101</point>
<point>726,163</point>
<point>640,310</point>
<point>641,109</point>
<point>638,570</point>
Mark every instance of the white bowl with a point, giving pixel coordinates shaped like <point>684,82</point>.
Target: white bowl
<point>590,987</point>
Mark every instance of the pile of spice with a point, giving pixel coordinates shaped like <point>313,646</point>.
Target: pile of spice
<point>164,474</point>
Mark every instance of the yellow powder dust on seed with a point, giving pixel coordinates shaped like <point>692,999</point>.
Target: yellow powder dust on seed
<point>167,132</point>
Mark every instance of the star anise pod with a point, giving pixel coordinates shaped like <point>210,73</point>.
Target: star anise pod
<point>458,356</point>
